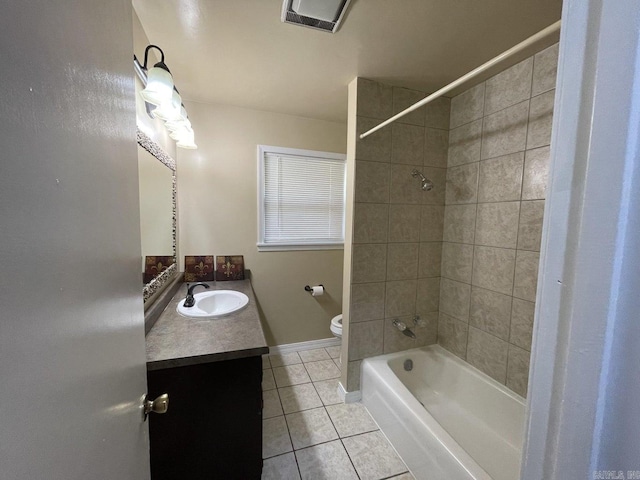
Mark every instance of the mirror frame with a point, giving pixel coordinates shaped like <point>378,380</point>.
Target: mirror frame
<point>158,283</point>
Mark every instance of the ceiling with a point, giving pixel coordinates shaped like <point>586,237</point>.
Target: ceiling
<point>240,53</point>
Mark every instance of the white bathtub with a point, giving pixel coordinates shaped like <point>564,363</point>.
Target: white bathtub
<point>446,419</point>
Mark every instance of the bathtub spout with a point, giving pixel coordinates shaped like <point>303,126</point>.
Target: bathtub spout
<point>403,328</point>
<point>409,333</point>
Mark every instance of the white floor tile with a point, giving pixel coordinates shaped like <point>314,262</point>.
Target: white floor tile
<point>328,391</point>
<point>265,362</point>
<point>373,456</point>
<point>299,397</point>
<point>275,437</point>
<point>271,404</point>
<point>351,419</point>
<point>286,359</point>
<point>291,375</point>
<point>314,355</point>
<point>328,461</point>
<point>334,352</point>
<point>282,467</point>
<point>268,382</point>
<point>310,427</point>
<point>322,370</point>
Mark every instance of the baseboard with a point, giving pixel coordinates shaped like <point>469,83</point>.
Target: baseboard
<point>310,345</point>
<point>349,397</point>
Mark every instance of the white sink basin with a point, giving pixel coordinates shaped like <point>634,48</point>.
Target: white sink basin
<point>216,303</point>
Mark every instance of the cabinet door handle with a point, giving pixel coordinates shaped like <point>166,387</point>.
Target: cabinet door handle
<point>159,405</point>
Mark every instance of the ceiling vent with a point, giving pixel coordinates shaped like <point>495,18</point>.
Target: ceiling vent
<point>324,15</point>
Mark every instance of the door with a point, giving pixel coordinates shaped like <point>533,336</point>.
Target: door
<point>72,363</point>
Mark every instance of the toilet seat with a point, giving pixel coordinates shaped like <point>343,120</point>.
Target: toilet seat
<point>336,325</point>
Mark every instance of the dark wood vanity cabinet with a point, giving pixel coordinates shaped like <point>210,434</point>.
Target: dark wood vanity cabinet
<point>213,427</point>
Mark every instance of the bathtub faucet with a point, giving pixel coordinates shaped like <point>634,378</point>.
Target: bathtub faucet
<point>403,328</point>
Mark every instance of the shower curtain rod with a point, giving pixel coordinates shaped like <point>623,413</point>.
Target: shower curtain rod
<point>473,73</point>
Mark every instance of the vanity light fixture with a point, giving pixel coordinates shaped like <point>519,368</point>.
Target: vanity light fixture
<point>163,100</point>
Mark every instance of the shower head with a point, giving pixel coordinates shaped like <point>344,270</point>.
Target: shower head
<point>426,183</point>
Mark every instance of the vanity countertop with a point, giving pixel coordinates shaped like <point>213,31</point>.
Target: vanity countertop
<point>176,341</point>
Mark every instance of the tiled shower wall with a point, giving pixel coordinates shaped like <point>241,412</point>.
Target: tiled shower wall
<point>397,227</point>
<point>499,140</point>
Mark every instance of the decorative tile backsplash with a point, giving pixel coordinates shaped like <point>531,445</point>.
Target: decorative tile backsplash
<point>155,265</point>
<point>229,267</point>
<point>199,268</point>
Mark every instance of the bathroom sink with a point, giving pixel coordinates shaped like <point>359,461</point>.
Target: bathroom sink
<point>216,303</point>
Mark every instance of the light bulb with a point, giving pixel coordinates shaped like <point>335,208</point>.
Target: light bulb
<point>159,87</point>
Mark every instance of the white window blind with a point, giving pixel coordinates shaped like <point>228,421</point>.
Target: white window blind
<point>302,198</point>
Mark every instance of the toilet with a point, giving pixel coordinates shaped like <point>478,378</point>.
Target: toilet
<point>336,326</point>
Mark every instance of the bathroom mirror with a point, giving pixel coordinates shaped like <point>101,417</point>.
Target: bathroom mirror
<point>157,181</point>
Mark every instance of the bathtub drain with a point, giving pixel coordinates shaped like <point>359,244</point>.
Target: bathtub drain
<point>408,364</point>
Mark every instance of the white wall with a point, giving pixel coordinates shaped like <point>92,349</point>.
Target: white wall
<point>217,201</point>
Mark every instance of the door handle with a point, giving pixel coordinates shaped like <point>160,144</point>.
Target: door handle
<point>159,405</point>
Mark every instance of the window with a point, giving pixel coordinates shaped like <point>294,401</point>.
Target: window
<point>301,196</point>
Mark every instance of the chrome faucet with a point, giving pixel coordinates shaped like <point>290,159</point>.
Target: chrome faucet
<point>189,301</point>
<point>403,328</point>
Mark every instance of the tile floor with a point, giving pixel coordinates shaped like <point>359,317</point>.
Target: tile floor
<point>309,433</point>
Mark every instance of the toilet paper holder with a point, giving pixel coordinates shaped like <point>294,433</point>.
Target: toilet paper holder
<point>309,289</point>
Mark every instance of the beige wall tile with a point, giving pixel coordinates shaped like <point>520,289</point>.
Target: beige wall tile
<point>455,299</point>
<point>402,261</point>
<point>367,302</point>
<point>540,119</point>
<point>518,371</point>
<point>490,312</point>
<point>365,339</point>
<point>530,226</point>
<point>375,100</point>
<point>353,375</point>
<point>404,223</point>
<point>497,224</point>
<point>438,113</point>
<point>427,329</point>
<point>536,173</point>
<point>394,339</point>
<point>439,177</point>
<point>522,314</point>
<point>467,107</point>
<point>404,98</point>
<point>493,269</point>
<point>369,263</point>
<point>545,66</point>
<point>500,179</point>
<point>459,223</point>
<point>457,261</point>
<point>436,147</point>
<point>372,182</point>
<point>452,335</point>
<point>404,188</point>
<point>377,146</point>
<point>488,354</point>
<point>465,143</point>
<point>407,144</point>
<point>430,259</point>
<point>400,298</point>
<point>370,223</point>
<point>431,223</point>
<point>526,276</point>
<point>428,295</point>
<point>505,131</point>
<point>462,184</point>
<point>509,87</point>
